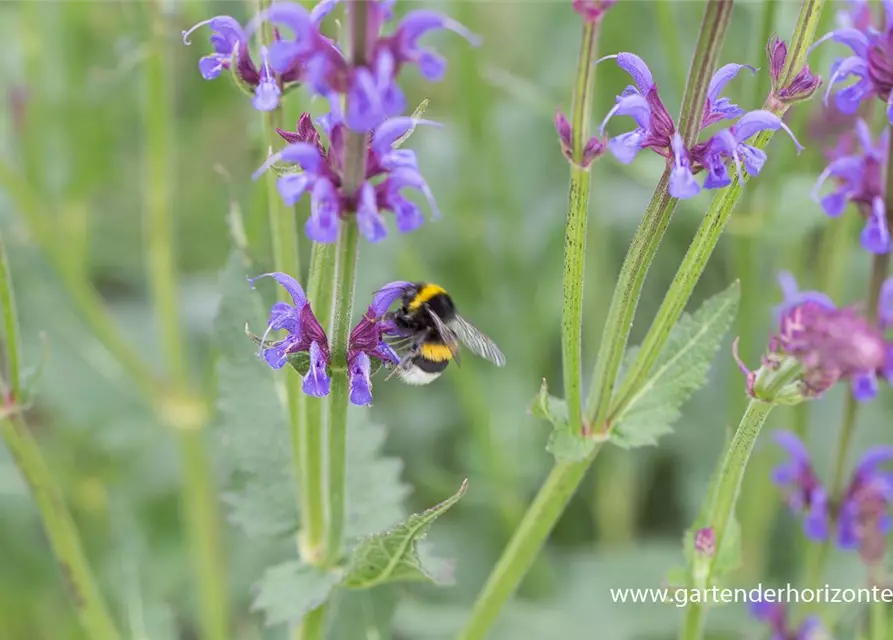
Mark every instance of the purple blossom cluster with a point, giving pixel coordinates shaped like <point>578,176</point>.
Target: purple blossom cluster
<point>871,62</point>
<point>305,335</point>
<point>319,172</point>
<point>311,59</point>
<point>860,519</point>
<point>374,104</point>
<point>656,130</point>
<point>858,179</point>
<point>830,343</point>
<point>775,615</point>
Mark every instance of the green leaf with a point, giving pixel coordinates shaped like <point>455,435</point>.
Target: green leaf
<point>393,556</point>
<point>288,591</point>
<point>254,442</point>
<point>680,370</point>
<point>563,444</point>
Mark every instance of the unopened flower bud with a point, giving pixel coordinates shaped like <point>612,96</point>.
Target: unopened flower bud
<point>593,10</point>
<point>801,86</point>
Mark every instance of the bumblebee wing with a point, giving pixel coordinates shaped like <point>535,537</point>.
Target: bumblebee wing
<point>476,341</point>
<point>449,336</point>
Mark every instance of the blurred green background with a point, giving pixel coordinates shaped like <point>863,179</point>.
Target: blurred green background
<point>75,107</point>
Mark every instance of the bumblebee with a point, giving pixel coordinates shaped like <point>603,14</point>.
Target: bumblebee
<point>432,332</point>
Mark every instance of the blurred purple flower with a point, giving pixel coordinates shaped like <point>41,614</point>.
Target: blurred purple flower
<point>705,541</point>
<point>657,131</point>
<point>861,519</point>
<point>388,172</point>
<point>804,491</point>
<point>305,334</point>
<point>859,179</point>
<point>775,615</point>
<point>871,62</point>
<point>592,10</point>
<point>367,340</point>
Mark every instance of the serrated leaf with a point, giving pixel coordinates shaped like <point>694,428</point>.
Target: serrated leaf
<point>393,556</point>
<point>563,444</point>
<point>288,591</point>
<point>680,370</point>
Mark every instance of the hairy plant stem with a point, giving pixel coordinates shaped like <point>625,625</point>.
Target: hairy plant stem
<point>565,477</point>
<point>704,242</point>
<point>575,230</point>
<point>721,510</point>
<point>657,217</point>
<point>180,407</point>
<point>57,521</point>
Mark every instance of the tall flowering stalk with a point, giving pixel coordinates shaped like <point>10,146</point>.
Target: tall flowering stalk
<point>566,476</point>
<point>352,179</point>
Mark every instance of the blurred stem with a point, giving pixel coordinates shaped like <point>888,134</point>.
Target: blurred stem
<point>33,209</point>
<point>60,529</point>
<point>199,496</point>
<point>57,521</point>
<point>575,229</point>
<point>669,36</point>
<point>836,245</point>
<point>721,510</point>
<point>878,612</point>
<point>524,546</point>
<point>565,477</point>
<point>12,344</point>
<point>707,236</point>
<point>657,216</point>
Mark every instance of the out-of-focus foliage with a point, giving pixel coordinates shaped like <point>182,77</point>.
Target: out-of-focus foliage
<point>73,112</point>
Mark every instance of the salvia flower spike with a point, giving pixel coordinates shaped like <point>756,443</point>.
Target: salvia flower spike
<point>320,172</point>
<point>305,334</point>
<point>859,519</point>
<point>858,179</point>
<point>819,344</point>
<point>656,130</point>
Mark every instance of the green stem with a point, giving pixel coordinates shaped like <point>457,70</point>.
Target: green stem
<point>575,230</point>
<point>10,327</point>
<point>878,627</point>
<point>706,238</point>
<point>348,250</point>
<point>525,544</point>
<point>724,499</point>
<point>199,495</point>
<point>657,216</point>
<point>61,531</point>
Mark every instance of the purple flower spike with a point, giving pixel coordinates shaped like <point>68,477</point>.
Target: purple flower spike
<point>305,334</point>
<point>682,181</point>
<point>720,108</point>
<point>805,493</point>
<point>226,34</point>
<point>360,384</point>
<point>875,237</point>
